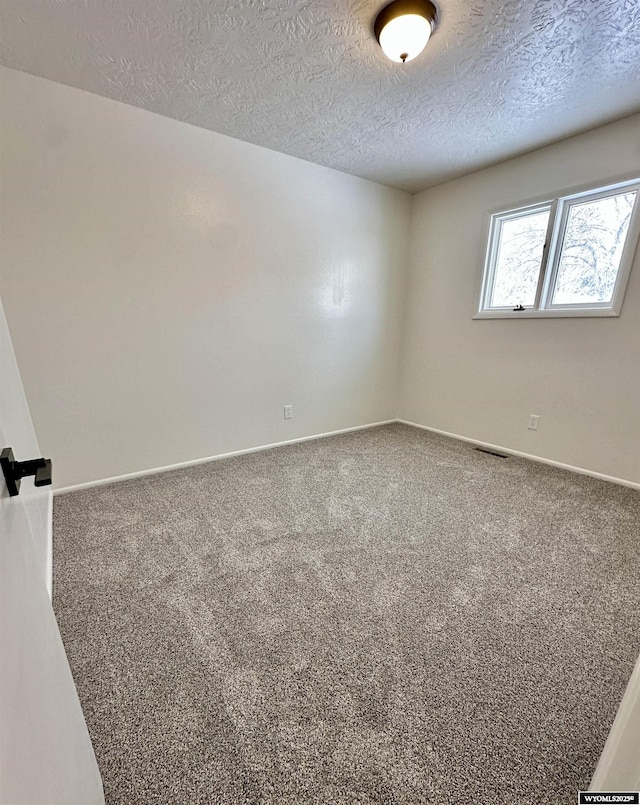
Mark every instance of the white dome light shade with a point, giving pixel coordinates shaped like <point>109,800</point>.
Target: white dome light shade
<point>405,37</point>
<point>403,28</point>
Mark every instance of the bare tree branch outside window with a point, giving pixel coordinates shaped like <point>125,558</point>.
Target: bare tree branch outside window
<point>592,248</point>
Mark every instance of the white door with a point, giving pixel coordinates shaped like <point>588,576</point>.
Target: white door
<point>619,766</point>
<point>46,757</point>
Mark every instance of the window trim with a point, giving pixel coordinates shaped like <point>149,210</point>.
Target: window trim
<point>559,207</point>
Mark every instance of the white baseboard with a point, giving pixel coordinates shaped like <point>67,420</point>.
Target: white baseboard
<point>219,456</point>
<point>499,448</point>
<point>194,462</point>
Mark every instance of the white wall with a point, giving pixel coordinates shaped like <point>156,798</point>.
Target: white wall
<point>169,289</point>
<point>481,379</point>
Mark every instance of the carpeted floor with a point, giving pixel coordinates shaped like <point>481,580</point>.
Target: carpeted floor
<point>387,616</point>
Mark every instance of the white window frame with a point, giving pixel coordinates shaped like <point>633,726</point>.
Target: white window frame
<point>559,208</point>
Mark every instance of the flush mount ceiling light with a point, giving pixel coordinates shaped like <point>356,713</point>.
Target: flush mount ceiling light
<point>403,28</point>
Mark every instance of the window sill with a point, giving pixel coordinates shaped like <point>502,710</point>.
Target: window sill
<point>554,313</point>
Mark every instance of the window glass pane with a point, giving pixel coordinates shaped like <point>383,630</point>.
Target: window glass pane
<point>591,250</point>
<point>518,259</point>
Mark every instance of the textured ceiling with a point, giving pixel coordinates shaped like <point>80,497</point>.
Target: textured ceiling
<point>306,77</point>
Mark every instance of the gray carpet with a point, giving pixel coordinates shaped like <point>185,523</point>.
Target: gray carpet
<point>386,616</point>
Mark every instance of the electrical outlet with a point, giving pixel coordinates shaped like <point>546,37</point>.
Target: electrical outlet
<point>534,421</point>
<point>288,412</point>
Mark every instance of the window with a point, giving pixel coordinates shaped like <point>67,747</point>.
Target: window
<point>568,256</point>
